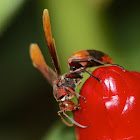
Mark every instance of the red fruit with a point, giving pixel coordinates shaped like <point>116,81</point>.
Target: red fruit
<point>113,106</point>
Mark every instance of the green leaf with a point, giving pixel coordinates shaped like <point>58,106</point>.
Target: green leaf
<point>60,131</point>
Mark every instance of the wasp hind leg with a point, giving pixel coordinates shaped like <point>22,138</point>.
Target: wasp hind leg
<point>64,121</point>
<point>80,96</point>
<point>72,120</point>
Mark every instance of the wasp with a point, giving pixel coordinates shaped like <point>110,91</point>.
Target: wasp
<point>64,85</point>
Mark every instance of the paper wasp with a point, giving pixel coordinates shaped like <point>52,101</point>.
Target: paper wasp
<point>64,85</point>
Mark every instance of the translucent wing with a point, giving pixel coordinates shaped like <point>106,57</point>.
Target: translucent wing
<point>40,64</point>
<point>50,41</point>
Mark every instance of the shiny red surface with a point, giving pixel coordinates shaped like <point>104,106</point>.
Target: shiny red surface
<point>113,106</point>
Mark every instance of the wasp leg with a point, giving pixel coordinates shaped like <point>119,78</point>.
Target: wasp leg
<point>90,59</point>
<point>80,96</point>
<point>92,75</point>
<point>71,93</point>
<point>64,121</point>
<point>78,107</point>
<point>75,74</point>
<point>118,66</point>
<point>74,122</point>
<point>103,63</point>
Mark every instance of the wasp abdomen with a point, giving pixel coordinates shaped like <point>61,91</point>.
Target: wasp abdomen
<point>88,58</point>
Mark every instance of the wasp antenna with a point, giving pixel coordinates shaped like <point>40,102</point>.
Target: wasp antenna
<point>64,121</point>
<point>40,64</point>
<point>74,122</point>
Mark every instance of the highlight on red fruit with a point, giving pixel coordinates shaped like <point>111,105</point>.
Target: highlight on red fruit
<point>112,105</point>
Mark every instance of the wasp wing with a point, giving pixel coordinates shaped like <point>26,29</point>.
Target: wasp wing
<point>40,64</point>
<point>50,41</point>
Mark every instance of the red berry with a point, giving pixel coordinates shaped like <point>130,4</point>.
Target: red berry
<point>113,106</point>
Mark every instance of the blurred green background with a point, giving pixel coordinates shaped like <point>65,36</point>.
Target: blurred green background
<point>28,110</point>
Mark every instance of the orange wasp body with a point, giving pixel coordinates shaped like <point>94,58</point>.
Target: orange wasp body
<point>88,58</point>
<point>64,85</point>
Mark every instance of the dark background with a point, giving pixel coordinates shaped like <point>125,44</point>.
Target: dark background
<point>28,110</point>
